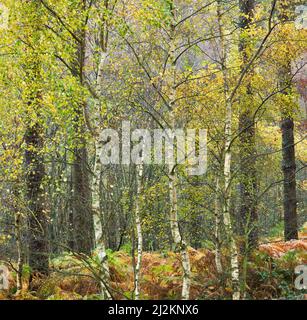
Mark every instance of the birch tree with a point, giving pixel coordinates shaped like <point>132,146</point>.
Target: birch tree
<point>234,259</point>
<point>34,139</point>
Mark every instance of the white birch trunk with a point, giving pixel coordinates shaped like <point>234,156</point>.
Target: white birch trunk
<point>177,238</point>
<point>217,214</point>
<point>139,233</point>
<point>19,252</point>
<point>174,225</point>
<point>98,216</point>
<point>234,262</point>
<point>99,227</point>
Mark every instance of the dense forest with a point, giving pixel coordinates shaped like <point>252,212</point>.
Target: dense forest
<point>153,149</point>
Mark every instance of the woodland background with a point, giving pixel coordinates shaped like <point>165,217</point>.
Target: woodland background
<point>71,228</point>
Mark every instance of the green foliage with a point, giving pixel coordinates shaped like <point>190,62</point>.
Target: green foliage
<point>275,276</point>
<point>277,230</point>
<point>73,68</point>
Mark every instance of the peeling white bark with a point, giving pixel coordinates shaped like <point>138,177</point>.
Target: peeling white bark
<point>99,226</point>
<point>99,221</point>
<point>98,216</point>
<point>19,252</point>
<point>179,242</point>
<point>138,223</point>
<point>217,213</point>
<point>234,262</point>
<point>174,225</point>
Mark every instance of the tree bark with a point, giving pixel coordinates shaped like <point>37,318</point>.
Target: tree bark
<point>288,146</point>
<point>19,251</point>
<point>181,245</point>
<point>217,213</point>
<point>289,169</point>
<point>82,213</point>
<point>37,218</point>
<point>99,216</point>
<point>99,224</point>
<point>138,223</point>
<point>234,261</point>
<point>34,160</point>
<point>248,181</point>
<point>83,222</point>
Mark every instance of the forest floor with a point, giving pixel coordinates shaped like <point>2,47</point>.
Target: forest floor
<point>270,275</point>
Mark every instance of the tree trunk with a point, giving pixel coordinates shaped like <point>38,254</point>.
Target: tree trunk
<point>234,261</point>
<point>181,245</point>
<point>82,213</point>
<point>37,218</point>
<point>288,146</point>
<point>19,251</point>
<point>34,160</point>
<point>100,226</point>
<point>289,169</point>
<point>248,181</point>
<point>83,223</point>
<point>138,223</point>
<point>99,216</point>
<point>218,260</point>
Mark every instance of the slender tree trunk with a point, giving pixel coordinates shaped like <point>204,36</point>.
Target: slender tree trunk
<point>70,213</point>
<point>218,260</point>
<point>81,203</point>
<point>288,148</point>
<point>138,223</point>
<point>18,225</point>
<point>37,219</point>
<point>248,185</point>
<point>82,213</point>
<point>83,223</point>
<point>99,216</point>
<point>99,227</point>
<point>33,159</point>
<point>289,169</point>
<point>234,261</point>
<point>177,238</point>
<point>248,219</point>
<point>173,180</point>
